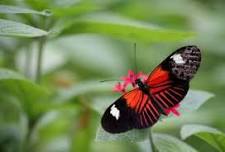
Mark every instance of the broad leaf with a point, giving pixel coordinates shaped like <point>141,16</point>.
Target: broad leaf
<point>100,103</point>
<point>121,29</point>
<point>212,136</point>
<point>30,95</point>
<point>83,88</point>
<point>13,124</point>
<point>7,74</point>
<point>145,145</point>
<point>167,143</point>
<point>50,132</point>
<point>132,135</point>
<point>194,100</point>
<point>19,10</point>
<point>12,28</point>
<point>74,10</point>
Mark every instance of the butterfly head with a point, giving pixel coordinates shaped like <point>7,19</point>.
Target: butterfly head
<point>139,82</point>
<point>144,87</point>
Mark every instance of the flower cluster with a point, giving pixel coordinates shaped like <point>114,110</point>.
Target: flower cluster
<point>130,80</point>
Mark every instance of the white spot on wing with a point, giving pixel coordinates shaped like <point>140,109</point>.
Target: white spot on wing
<point>177,59</point>
<point>115,112</point>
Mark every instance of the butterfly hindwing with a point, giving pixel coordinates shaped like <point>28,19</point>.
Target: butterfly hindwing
<point>147,113</point>
<point>118,117</point>
<point>133,110</point>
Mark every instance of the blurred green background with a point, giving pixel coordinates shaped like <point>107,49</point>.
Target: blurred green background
<point>56,106</point>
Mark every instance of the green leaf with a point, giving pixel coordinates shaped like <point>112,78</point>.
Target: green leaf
<point>74,10</point>
<point>31,96</point>
<point>19,10</point>
<point>12,28</point>
<point>83,88</point>
<point>145,145</point>
<point>194,100</point>
<point>212,136</point>
<point>120,28</point>
<point>10,138</point>
<point>81,139</point>
<point>13,124</point>
<point>100,103</point>
<point>37,4</point>
<point>167,143</point>
<point>132,135</point>
<point>52,131</point>
<point>7,74</point>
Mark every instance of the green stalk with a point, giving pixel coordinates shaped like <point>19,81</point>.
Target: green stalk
<point>152,147</point>
<point>39,59</point>
<point>41,44</point>
<point>38,74</point>
<point>27,61</point>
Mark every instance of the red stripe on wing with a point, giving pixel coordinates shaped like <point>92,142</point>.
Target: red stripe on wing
<point>146,112</point>
<point>166,90</point>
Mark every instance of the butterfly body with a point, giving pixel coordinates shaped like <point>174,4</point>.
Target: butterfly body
<point>165,87</point>
<point>144,87</point>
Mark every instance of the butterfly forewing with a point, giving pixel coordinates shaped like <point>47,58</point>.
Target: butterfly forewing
<point>169,81</point>
<point>133,110</point>
<point>183,63</point>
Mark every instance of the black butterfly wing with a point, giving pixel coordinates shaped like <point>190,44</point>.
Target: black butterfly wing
<point>133,110</point>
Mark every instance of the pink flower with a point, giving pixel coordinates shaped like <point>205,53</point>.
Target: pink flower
<point>132,77</point>
<point>142,76</point>
<point>173,110</point>
<point>119,88</point>
<point>129,79</point>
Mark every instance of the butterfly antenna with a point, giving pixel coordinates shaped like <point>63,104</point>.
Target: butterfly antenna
<point>109,80</point>
<point>135,58</point>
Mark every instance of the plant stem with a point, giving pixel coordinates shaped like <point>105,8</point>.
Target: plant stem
<point>39,59</point>
<point>152,147</point>
<point>41,44</point>
<point>27,61</point>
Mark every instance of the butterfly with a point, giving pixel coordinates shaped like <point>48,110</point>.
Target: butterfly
<point>164,88</point>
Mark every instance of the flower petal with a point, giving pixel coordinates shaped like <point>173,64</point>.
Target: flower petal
<point>173,110</point>
<point>119,88</point>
